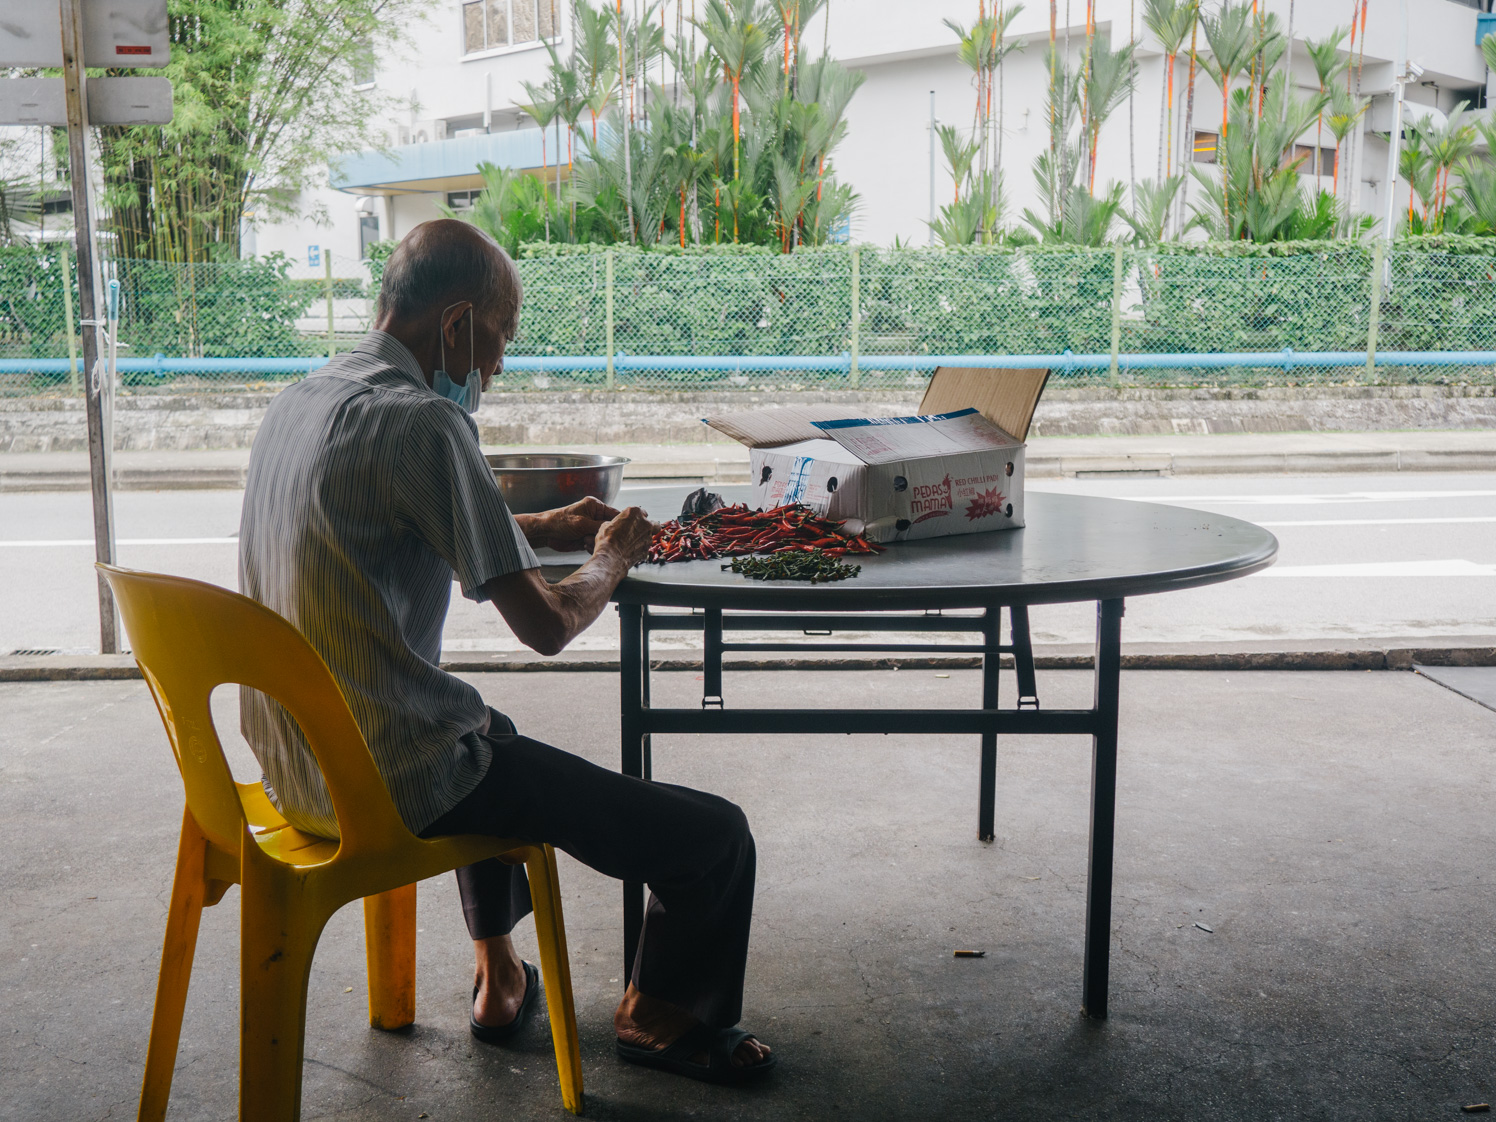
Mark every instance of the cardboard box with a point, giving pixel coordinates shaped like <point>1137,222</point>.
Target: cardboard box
<point>956,468</point>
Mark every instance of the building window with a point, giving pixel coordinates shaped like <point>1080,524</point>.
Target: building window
<point>1305,152</point>
<point>1205,147</point>
<point>462,200</point>
<point>489,25</point>
<point>368,233</point>
<point>363,65</point>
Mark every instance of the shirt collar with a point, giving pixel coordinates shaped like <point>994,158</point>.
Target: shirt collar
<point>384,346</point>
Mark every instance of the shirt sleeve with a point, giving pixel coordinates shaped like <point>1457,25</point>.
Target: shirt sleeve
<point>445,493</point>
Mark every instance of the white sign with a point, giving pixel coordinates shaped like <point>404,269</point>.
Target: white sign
<point>116,33</point>
<point>111,101</point>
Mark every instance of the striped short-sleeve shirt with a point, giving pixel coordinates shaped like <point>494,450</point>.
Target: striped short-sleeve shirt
<point>367,492</point>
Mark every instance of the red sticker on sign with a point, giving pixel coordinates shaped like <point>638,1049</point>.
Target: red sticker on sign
<point>122,50</point>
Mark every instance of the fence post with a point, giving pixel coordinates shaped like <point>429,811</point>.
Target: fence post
<point>608,309</point>
<point>1116,308</point>
<point>1378,262</point>
<point>856,311</point>
<point>332,344</point>
<point>67,307</point>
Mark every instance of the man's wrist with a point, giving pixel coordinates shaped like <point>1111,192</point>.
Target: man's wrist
<point>533,526</point>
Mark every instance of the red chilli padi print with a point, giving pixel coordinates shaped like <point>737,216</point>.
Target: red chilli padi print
<point>986,504</point>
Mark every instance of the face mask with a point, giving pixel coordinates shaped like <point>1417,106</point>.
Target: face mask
<point>466,393</point>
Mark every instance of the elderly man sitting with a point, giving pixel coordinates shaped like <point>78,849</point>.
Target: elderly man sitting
<point>367,493</point>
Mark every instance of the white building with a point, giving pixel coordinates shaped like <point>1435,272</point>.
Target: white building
<point>461,70</point>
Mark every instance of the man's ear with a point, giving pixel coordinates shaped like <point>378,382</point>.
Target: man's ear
<point>452,319</point>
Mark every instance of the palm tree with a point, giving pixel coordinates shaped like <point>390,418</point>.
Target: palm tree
<point>1170,21</point>
<point>1107,81</point>
<point>1230,36</point>
<point>1345,113</point>
<point>1151,214</point>
<point>593,56</point>
<point>1447,146</point>
<point>620,26</point>
<point>1188,155</point>
<point>1325,55</point>
<point>739,39</point>
<point>541,109</point>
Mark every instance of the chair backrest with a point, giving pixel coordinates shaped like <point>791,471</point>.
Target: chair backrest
<point>190,637</point>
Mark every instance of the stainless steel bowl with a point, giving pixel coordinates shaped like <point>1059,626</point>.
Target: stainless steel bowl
<point>536,481</point>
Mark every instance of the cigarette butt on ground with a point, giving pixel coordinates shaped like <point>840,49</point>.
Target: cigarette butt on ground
<point>1477,1108</point>
<point>970,954</point>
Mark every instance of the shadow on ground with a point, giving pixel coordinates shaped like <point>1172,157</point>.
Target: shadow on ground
<point>1333,832</point>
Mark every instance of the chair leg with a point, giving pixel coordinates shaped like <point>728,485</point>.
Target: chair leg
<point>555,964</point>
<point>278,936</point>
<point>188,890</point>
<point>390,946</point>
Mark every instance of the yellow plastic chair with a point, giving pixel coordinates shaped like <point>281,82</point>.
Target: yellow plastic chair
<point>188,638</point>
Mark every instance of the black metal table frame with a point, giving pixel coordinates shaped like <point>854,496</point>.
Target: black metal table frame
<point>640,721</point>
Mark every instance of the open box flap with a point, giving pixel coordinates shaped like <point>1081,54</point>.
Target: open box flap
<point>770,428</point>
<point>887,440</point>
<point>1007,398</point>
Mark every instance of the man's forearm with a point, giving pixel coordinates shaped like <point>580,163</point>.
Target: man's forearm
<point>584,594</point>
<point>546,617</point>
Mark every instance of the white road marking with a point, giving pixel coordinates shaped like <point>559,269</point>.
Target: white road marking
<point>1313,500</point>
<point>1453,567</point>
<point>1380,521</point>
<point>46,543</point>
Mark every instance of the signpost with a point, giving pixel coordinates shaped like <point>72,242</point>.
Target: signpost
<point>72,34</point>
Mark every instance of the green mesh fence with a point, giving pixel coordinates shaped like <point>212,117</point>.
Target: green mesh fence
<point>731,317</point>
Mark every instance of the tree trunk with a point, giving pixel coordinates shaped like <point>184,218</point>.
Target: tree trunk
<point>1188,142</point>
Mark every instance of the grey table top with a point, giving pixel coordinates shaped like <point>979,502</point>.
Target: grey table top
<point>1074,547</point>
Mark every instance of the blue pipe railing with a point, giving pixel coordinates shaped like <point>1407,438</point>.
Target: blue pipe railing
<point>1286,359</point>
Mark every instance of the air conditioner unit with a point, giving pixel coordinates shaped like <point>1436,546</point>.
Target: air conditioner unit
<point>424,132</point>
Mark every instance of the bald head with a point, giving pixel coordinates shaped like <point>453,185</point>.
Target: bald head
<point>443,262</point>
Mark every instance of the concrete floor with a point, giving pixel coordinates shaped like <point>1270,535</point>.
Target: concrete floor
<point>1335,831</point>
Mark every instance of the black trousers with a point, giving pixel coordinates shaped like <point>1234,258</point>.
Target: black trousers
<point>694,851</point>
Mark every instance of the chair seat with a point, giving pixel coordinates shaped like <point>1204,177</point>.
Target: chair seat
<point>288,844</point>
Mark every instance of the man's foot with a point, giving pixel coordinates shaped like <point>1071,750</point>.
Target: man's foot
<point>645,1022</point>
<point>500,978</point>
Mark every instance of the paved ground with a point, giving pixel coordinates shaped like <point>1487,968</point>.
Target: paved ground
<point>1403,560</point>
<point>1048,457</point>
<point>1334,831</point>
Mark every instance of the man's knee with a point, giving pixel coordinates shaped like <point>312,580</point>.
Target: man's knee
<point>730,825</point>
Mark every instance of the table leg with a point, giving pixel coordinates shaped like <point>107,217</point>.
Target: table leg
<point>1103,807</point>
<point>711,658</point>
<point>647,751</point>
<point>987,784</point>
<point>634,671</point>
<point>1023,657</point>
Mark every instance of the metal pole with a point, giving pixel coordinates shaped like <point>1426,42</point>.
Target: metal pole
<point>67,308</point>
<point>332,343</point>
<point>1116,307</point>
<point>987,775</point>
<point>1103,808</point>
<point>608,310</point>
<point>1374,322</point>
<point>634,670</point>
<point>931,223</point>
<point>89,300</point>
<point>856,310</point>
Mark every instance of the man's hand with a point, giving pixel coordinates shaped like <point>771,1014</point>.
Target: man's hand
<point>568,528</point>
<point>546,617</point>
<point>628,535</point>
